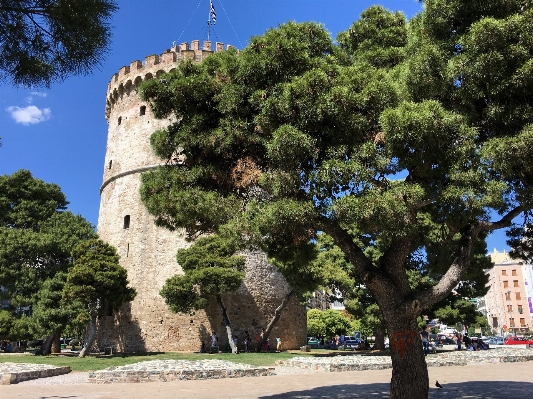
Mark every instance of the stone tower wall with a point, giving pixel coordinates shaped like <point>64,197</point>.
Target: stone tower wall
<point>148,252</point>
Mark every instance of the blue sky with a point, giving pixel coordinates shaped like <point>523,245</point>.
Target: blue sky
<point>60,134</point>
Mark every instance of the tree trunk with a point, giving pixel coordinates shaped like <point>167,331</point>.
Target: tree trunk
<point>56,343</point>
<point>409,370</point>
<point>274,320</point>
<point>227,323</point>
<point>46,347</point>
<point>379,338</point>
<point>91,337</point>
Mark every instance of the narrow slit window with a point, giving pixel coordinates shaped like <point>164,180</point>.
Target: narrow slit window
<point>110,164</point>
<point>128,250</point>
<point>127,221</point>
<point>142,110</point>
<point>119,120</point>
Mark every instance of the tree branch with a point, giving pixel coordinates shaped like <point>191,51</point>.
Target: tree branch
<point>371,276</point>
<point>393,262</point>
<point>452,277</point>
<point>505,221</point>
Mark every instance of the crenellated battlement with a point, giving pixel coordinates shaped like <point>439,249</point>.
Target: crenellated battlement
<point>130,76</point>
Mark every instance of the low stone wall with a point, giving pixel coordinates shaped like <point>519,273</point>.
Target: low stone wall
<point>12,373</point>
<point>363,361</point>
<point>170,370</point>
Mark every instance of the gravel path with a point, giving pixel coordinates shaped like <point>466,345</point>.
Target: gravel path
<point>74,377</point>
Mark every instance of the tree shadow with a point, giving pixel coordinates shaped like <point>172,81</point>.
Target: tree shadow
<point>470,390</point>
<point>120,332</point>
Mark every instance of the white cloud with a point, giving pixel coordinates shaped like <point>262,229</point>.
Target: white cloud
<point>35,93</point>
<point>29,115</point>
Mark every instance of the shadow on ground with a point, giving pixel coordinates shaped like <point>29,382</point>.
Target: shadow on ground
<point>470,390</point>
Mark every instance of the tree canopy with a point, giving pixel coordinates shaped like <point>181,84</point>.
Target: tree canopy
<point>43,41</point>
<point>327,323</point>
<point>97,282</point>
<point>402,140</point>
<point>37,235</point>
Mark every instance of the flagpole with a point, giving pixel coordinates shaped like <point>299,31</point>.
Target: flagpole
<point>209,23</point>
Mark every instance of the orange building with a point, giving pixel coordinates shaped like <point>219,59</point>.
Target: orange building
<point>508,299</point>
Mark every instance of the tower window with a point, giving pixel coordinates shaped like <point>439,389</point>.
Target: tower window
<point>110,164</point>
<point>127,221</point>
<point>142,110</point>
<point>119,120</point>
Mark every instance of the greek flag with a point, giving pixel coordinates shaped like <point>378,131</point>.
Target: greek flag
<point>212,13</point>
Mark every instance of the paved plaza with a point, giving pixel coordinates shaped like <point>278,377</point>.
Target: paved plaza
<point>503,379</point>
<point>480,381</point>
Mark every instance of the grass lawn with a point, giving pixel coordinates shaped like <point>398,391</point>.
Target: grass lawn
<point>91,363</point>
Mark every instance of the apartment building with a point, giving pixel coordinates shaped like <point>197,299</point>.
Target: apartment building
<point>508,303</point>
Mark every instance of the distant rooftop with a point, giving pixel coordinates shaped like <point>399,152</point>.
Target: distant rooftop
<point>503,258</point>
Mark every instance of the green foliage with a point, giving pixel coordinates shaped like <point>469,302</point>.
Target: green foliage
<point>378,37</point>
<point>36,235</point>
<point>211,269</point>
<point>6,324</point>
<point>462,311</point>
<point>51,312</point>
<point>43,41</point>
<point>96,280</point>
<point>390,142</point>
<point>25,201</point>
<point>327,323</point>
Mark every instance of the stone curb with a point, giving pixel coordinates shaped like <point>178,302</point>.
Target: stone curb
<point>40,371</point>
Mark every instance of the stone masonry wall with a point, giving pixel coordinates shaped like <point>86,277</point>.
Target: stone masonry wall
<point>148,252</point>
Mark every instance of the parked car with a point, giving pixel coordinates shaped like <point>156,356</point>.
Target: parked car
<point>313,342</point>
<point>518,341</point>
<point>479,343</point>
<point>353,343</point>
<point>495,341</point>
<point>442,339</point>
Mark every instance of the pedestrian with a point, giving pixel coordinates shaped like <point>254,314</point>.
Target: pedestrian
<point>278,344</point>
<point>424,335</point>
<point>214,341</point>
<point>236,343</point>
<point>458,335</point>
<point>265,342</point>
<point>247,340</point>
